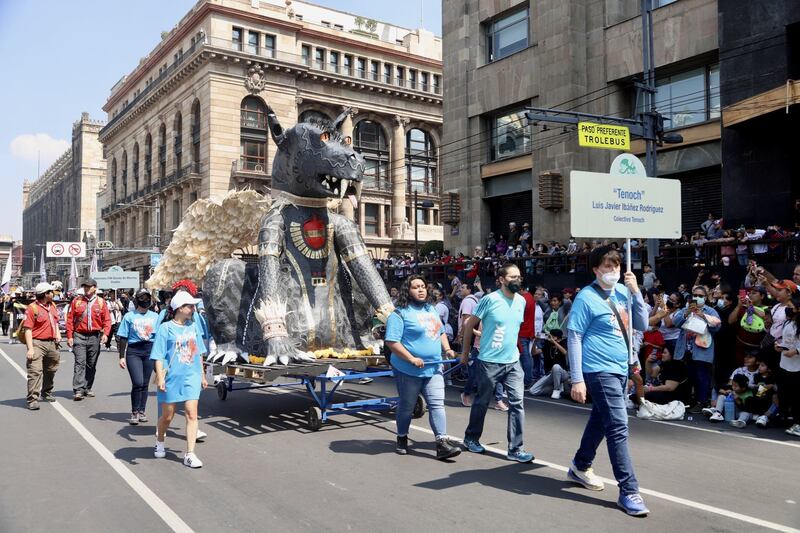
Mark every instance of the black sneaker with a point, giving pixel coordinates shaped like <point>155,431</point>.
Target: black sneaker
<point>49,398</point>
<point>402,445</point>
<point>446,450</point>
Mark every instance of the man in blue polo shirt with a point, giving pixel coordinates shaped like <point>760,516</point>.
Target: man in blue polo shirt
<point>598,358</point>
<point>501,314</point>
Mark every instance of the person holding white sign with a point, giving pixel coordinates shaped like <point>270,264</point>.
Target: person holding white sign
<point>598,357</point>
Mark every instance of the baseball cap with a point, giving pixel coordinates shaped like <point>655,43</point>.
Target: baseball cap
<point>43,287</point>
<point>88,282</point>
<point>788,284</point>
<point>182,298</point>
<point>142,292</point>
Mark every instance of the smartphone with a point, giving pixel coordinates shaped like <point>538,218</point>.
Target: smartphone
<point>742,294</point>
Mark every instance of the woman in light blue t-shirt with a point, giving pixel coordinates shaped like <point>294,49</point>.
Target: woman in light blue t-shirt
<point>415,335</point>
<point>135,340</point>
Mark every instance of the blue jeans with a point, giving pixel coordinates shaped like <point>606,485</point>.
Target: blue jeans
<point>526,360</point>
<point>538,361</point>
<point>701,374</point>
<point>432,389</point>
<point>471,386</point>
<point>608,419</point>
<point>140,368</point>
<point>489,375</point>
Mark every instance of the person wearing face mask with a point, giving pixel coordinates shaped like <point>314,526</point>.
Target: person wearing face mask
<point>598,357</point>
<point>415,335</point>
<point>500,313</point>
<point>135,337</point>
<point>695,345</point>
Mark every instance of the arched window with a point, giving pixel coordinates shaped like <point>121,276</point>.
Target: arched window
<point>370,141</point>
<point>136,167</point>
<point>420,162</point>
<point>124,175</point>
<point>196,137</point>
<point>148,160</point>
<point>178,143</point>
<point>114,180</point>
<point>253,135</point>
<point>313,115</point>
<point>162,152</point>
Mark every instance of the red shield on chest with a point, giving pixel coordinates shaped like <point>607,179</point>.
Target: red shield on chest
<point>314,232</point>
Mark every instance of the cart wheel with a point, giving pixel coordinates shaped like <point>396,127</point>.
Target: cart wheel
<point>222,390</point>
<point>419,408</point>
<point>314,418</point>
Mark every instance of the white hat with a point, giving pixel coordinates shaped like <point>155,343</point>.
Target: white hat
<point>182,298</point>
<point>43,287</point>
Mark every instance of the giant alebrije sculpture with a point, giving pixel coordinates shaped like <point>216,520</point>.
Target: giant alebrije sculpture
<point>315,285</point>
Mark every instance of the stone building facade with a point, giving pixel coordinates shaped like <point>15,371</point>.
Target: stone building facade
<point>60,205</point>
<point>189,121</point>
<point>500,56</point>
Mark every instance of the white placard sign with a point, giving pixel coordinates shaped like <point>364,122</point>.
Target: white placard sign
<point>605,205</point>
<point>117,280</point>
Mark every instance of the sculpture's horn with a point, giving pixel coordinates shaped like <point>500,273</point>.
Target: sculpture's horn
<point>275,128</point>
<point>340,119</point>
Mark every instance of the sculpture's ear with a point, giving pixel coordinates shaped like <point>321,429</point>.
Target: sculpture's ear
<point>275,128</point>
<point>340,119</point>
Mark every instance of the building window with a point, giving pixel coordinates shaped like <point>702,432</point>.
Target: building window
<point>338,27</point>
<point>412,79</point>
<point>162,152</point>
<point>306,51</point>
<point>437,84</point>
<point>136,167</point>
<point>422,216</point>
<point>178,144</point>
<point>510,135</point>
<point>114,180</point>
<point>269,45</point>
<point>252,42</point>
<point>371,219</point>
<point>133,232</point>
<point>176,213</point>
<point>423,79</point>
<point>662,3</point>
<point>387,73</point>
<point>253,135</point>
<point>148,160</point>
<point>401,76</point>
<point>362,67</point>
<point>348,65</point>
<point>124,176</point>
<point>320,58</point>
<point>196,136</point>
<point>374,69</point>
<point>122,233</point>
<point>507,35</point>
<point>313,116</point>
<point>420,162</point>
<point>326,23</point>
<point>333,58</point>
<point>236,38</point>
<point>689,97</point>
<point>370,142</point>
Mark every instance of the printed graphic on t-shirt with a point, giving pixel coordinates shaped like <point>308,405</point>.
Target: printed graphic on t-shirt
<point>498,337</point>
<point>623,313</point>
<point>143,328</point>
<point>186,346</point>
<point>430,323</point>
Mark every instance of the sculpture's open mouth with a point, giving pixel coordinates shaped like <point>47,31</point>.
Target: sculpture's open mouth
<point>338,187</point>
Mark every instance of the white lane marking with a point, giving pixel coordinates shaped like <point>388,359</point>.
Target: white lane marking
<point>656,494</point>
<point>150,498</point>
<point>674,424</point>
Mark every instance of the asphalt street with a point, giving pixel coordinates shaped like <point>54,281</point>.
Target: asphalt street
<point>78,466</point>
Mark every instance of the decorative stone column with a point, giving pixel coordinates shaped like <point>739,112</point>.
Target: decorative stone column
<point>398,169</point>
<point>381,220</point>
<point>347,131</point>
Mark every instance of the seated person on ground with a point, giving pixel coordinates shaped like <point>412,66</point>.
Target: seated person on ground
<point>764,403</point>
<point>670,380</point>
<point>557,380</point>
<point>741,392</point>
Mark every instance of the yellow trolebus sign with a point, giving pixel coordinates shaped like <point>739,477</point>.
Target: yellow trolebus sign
<point>605,136</point>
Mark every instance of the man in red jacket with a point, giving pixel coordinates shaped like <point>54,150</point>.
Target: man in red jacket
<point>527,338</point>
<point>88,326</point>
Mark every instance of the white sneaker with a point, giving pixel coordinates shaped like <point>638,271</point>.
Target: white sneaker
<point>585,478</point>
<point>160,452</point>
<point>629,404</point>
<point>762,421</point>
<point>709,411</point>
<point>738,423</point>
<point>716,417</point>
<point>191,460</point>
<point>794,430</point>
<point>201,436</point>
<point>466,400</point>
<point>556,395</point>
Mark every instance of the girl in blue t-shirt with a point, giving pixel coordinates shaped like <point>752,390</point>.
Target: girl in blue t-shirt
<point>415,335</point>
<point>135,340</point>
<point>177,352</point>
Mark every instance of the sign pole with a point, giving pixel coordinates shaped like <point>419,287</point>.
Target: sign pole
<point>628,254</point>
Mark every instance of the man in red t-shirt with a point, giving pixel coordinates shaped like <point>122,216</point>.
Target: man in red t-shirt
<point>88,326</point>
<point>42,338</point>
<point>527,337</point>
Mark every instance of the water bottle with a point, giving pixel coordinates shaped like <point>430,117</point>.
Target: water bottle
<point>730,408</point>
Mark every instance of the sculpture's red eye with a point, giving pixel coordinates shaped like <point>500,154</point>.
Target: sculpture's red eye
<point>325,136</point>
<point>348,140</point>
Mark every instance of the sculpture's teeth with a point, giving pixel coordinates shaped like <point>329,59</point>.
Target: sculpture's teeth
<point>343,188</point>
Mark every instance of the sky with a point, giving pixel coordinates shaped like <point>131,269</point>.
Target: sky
<point>59,59</point>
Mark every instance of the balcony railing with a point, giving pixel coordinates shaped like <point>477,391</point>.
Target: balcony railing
<point>251,120</point>
<point>377,184</point>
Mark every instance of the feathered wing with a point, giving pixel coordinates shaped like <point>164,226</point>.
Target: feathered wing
<point>210,230</point>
